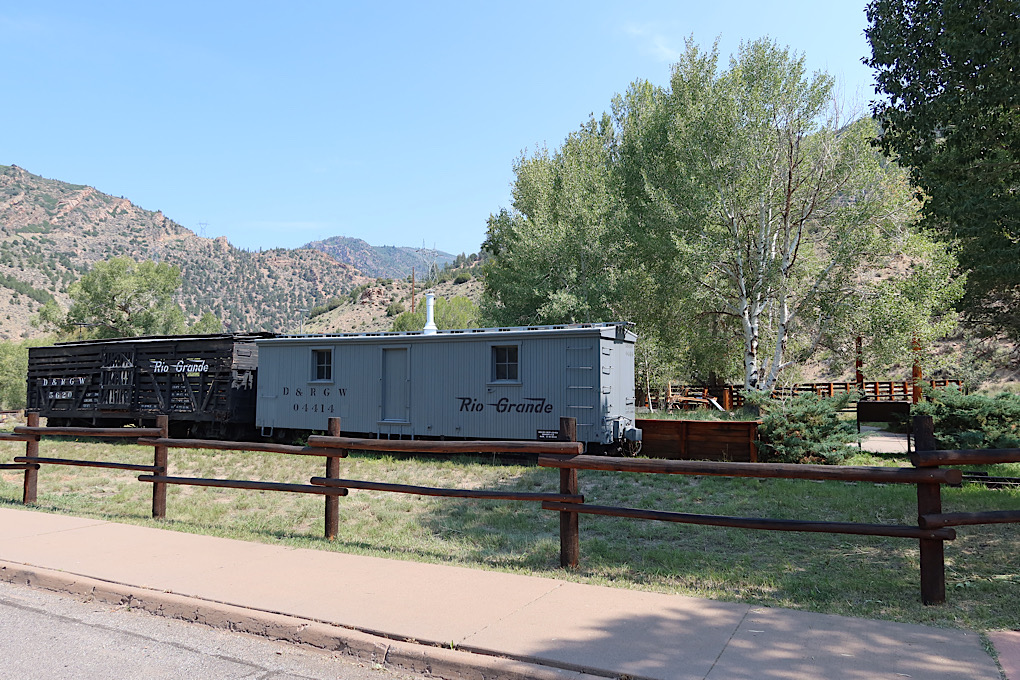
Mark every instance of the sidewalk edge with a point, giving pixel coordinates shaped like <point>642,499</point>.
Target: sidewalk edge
<point>406,656</point>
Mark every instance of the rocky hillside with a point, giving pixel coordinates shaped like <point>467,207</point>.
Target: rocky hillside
<point>51,232</point>
<point>393,262</point>
<point>366,310</point>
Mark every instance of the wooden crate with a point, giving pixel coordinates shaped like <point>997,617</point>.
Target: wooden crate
<point>730,440</point>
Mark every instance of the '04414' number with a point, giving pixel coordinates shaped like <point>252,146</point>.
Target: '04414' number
<point>315,408</point>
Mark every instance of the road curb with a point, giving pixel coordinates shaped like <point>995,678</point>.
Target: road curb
<point>403,655</point>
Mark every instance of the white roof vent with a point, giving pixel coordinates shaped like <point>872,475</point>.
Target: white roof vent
<point>430,313</point>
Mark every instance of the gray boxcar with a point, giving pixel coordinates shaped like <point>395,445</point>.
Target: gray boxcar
<point>497,383</point>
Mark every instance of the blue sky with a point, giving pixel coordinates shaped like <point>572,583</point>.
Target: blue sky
<point>397,123</point>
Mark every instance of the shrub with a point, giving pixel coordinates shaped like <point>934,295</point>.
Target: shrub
<point>329,306</point>
<point>20,287</point>
<point>13,368</point>
<point>458,312</point>
<point>394,309</point>
<point>461,278</point>
<point>355,293</point>
<point>803,429</point>
<point>972,421</point>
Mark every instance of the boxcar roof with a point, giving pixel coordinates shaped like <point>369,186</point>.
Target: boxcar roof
<point>604,329</point>
<point>236,337</point>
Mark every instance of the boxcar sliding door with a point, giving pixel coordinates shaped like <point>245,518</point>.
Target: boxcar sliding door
<point>395,389</point>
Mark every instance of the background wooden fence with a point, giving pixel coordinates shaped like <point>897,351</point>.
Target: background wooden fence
<point>729,397</point>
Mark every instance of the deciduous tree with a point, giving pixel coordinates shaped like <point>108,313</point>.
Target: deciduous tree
<point>736,216</point>
<point>120,297</point>
<point>766,207</point>
<point>952,115</point>
<point>553,257</point>
<point>207,323</point>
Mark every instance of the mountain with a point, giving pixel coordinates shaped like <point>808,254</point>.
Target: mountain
<point>52,232</point>
<point>393,262</point>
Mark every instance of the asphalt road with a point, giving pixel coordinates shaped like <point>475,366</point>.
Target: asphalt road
<point>48,636</point>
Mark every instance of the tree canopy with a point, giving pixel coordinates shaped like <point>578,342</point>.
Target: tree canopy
<point>952,115</point>
<point>735,215</point>
<point>121,298</point>
<point>554,258</point>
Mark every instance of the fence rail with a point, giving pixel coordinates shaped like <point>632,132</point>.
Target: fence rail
<point>255,447</point>
<point>243,484</point>
<point>934,526</point>
<point>447,493</point>
<point>878,475</point>
<point>444,447</point>
<point>964,457</point>
<point>99,432</point>
<point>86,463</point>
<point>888,530</point>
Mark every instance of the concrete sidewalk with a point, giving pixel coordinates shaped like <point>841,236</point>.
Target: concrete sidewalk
<point>456,622</point>
<point>880,441</point>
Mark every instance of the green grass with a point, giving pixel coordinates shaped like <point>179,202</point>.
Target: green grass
<point>851,575</point>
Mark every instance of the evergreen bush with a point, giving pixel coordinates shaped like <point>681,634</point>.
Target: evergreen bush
<point>329,306</point>
<point>803,429</point>
<point>972,421</point>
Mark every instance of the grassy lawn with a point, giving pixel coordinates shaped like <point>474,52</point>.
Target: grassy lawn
<point>851,575</point>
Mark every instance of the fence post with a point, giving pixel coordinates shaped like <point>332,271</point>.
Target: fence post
<point>859,367</point>
<point>159,461</point>
<point>333,471</point>
<point>570,538</point>
<point>30,491</point>
<point>929,501</point>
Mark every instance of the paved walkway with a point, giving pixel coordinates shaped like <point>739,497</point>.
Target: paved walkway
<point>879,441</point>
<point>465,623</point>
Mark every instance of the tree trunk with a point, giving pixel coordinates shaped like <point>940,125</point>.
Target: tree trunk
<point>750,323</point>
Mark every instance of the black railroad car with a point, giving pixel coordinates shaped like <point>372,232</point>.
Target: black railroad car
<point>206,384</point>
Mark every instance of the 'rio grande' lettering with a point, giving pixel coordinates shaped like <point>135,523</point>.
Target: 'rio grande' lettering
<point>182,366</point>
<point>504,405</point>
<point>471,405</point>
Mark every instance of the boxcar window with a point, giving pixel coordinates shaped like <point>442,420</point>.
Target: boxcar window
<point>505,363</point>
<point>322,364</point>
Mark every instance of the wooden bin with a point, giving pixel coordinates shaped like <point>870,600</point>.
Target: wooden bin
<point>730,440</point>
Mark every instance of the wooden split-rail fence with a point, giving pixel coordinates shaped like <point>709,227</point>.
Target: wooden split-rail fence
<point>728,397</point>
<point>933,527</point>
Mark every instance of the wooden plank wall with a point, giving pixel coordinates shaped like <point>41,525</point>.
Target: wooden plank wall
<point>725,440</point>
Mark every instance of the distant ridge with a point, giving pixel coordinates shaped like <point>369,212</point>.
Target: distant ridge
<point>51,232</point>
<point>392,262</point>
